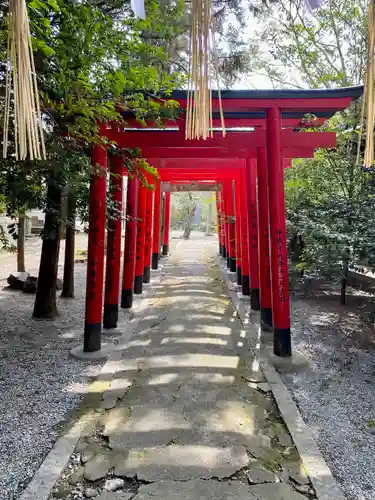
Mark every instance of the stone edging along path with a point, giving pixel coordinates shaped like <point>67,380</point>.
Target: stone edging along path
<point>316,467</point>
<point>51,468</point>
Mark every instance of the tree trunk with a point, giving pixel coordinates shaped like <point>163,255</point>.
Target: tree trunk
<point>21,243</point>
<point>300,256</point>
<point>188,224</point>
<point>64,214</point>
<point>68,280</point>
<point>293,248</point>
<point>344,281</point>
<point>208,220</point>
<point>45,300</point>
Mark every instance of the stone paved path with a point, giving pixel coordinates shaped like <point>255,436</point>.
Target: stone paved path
<point>188,415</point>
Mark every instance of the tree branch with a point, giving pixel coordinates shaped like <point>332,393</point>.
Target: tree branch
<point>338,45</point>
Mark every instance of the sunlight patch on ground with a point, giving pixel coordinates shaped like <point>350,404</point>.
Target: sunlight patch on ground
<point>192,360</point>
<point>255,366</point>
<point>195,340</point>
<point>323,319</point>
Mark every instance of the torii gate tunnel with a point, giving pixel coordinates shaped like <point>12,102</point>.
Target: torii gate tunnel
<point>265,130</point>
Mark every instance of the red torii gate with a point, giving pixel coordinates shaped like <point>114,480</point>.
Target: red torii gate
<point>253,159</point>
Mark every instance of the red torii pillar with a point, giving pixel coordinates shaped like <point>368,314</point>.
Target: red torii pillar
<point>148,237</point>
<point>113,263</point>
<point>225,223</point>
<point>156,229</point>
<point>244,235</point>
<point>265,297</point>
<point>231,239</point>
<point>95,253</point>
<point>130,242</point>
<point>219,222</point>
<point>251,192</point>
<point>140,242</point>
<point>166,222</point>
<point>224,226</point>
<point>279,258</point>
<point>237,201</point>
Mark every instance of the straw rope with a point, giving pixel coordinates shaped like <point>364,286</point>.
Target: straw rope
<point>199,98</point>
<point>21,78</point>
<point>367,119</point>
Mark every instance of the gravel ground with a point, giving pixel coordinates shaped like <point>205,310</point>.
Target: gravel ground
<point>40,384</point>
<point>33,246</point>
<point>336,395</point>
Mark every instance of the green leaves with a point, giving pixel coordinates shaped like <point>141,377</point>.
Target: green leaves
<point>88,54</point>
<point>330,204</point>
<point>329,199</point>
<point>325,48</point>
<point>92,59</point>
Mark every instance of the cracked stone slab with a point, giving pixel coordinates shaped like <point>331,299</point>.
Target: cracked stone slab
<point>294,471</point>
<point>298,478</point>
<point>209,438</point>
<point>253,376</point>
<point>118,388</point>
<point>181,463</point>
<point>89,452</point>
<point>195,489</point>
<point>164,358</point>
<point>98,466</point>
<point>248,393</point>
<point>259,475</point>
<point>117,418</point>
<point>197,392</point>
<point>225,423</point>
<point>149,395</point>
<point>108,403</point>
<point>280,491</point>
<point>264,387</point>
<point>285,439</point>
<point>145,426</point>
<point>265,454</point>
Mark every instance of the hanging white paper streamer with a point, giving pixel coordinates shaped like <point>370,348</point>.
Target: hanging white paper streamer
<point>138,7</point>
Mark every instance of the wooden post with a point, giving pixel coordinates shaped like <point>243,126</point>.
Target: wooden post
<point>95,254</point>
<point>148,237</point>
<point>166,222</point>
<point>156,228</point>
<point>140,243</point>
<point>244,234</point>
<point>219,222</point>
<point>224,223</point>
<point>113,263</point>
<point>228,195</point>
<point>265,298</point>
<point>251,185</point>
<point>237,200</point>
<point>130,242</point>
<point>279,258</point>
